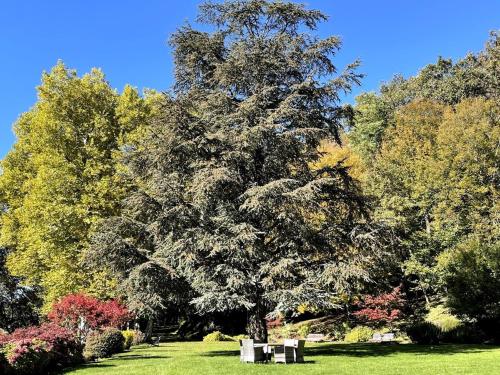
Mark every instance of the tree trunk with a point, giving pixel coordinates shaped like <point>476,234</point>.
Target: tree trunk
<point>256,327</point>
<point>149,329</point>
<point>427,225</point>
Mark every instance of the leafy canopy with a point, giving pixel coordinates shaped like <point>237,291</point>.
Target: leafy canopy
<point>60,179</point>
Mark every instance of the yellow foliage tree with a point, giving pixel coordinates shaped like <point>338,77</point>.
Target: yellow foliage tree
<point>60,179</point>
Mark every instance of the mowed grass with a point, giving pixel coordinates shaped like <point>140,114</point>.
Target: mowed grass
<point>326,358</point>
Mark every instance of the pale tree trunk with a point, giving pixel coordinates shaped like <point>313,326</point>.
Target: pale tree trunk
<point>256,327</point>
<point>427,225</point>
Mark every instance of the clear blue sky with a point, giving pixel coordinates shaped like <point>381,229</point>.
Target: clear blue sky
<point>127,39</point>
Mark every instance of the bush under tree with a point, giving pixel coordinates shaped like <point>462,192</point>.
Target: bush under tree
<point>103,344</point>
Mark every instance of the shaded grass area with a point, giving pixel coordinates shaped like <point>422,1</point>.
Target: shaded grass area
<point>326,358</point>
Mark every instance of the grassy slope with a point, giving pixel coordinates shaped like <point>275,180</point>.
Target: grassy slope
<point>223,358</point>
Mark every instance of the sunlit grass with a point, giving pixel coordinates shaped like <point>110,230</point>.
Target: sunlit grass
<point>371,359</point>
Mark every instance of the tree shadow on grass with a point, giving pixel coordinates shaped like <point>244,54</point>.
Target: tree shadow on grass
<point>374,350</point>
<point>221,353</point>
<point>154,348</point>
<point>88,365</point>
<point>109,362</point>
<point>236,354</point>
<point>138,356</point>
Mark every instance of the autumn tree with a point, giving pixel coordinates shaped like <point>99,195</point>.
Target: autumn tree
<point>385,308</point>
<point>403,180</point>
<point>446,82</point>
<point>334,154</point>
<point>81,314</point>
<point>468,164</point>
<point>436,181</point>
<point>466,216</point>
<point>60,179</point>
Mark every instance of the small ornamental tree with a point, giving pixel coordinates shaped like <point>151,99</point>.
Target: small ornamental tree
<point>81,314</point>
<point>382,309</point>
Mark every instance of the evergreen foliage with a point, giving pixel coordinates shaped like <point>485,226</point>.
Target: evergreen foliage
<point>18,304</point>
<point>225,196</point>
<point>250,190</point>
<point>103,344</point>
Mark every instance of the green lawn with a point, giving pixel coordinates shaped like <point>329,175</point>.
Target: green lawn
<point>371,359</point>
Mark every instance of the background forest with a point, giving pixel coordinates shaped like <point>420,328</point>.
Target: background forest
<point>250,196</point>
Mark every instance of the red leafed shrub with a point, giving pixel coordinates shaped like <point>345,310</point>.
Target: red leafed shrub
<point>35,350</point>
<point>48,332</point>
<point>278,322</point>
<point>116,314</point>
<point>384,308</point>
<point>81,313</point>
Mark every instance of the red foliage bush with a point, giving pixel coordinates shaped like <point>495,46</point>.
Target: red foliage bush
<point>384,308</point>
<point>115,313</point>
<point>270,324</point>
<point>35,350</point>
<point>48,332</point>
<point>81,313</point>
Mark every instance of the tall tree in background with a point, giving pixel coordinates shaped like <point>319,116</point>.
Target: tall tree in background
<point>475,75</point>
<point>60,179</point>
<point>468,163</point>
<point>226,198</point>
<point>467,215</point>
<point>429,150</point>
<point>403,178</point>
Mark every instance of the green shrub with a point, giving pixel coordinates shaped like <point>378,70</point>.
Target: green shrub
<point>288,331</point>
<point>303,330</point>
<point>427,333</point>
<point>423,333</point>
<point>441,317</point>
<point>128,335</point>
<point>217,336</point>
<point>464,334</point>
<point>359,334</point>
<point>337,331</point>
<point>240,337</point>
<point>103,344</point>
<point>284,332</point>
<point>401,338</point>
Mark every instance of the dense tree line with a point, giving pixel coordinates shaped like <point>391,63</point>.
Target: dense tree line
<point>250,187</point>
<point>429,149</point>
